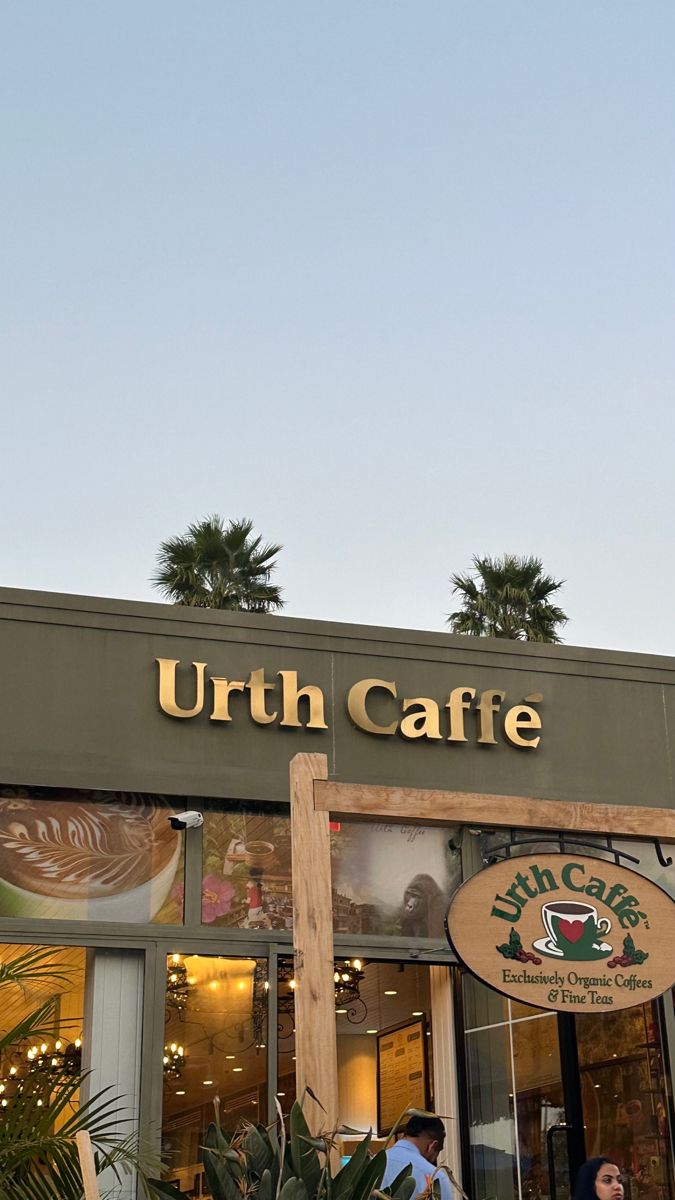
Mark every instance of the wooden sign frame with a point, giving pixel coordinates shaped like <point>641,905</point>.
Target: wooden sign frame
<point>314,799</point>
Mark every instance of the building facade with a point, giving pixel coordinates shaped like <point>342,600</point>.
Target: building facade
<point>120,721</point>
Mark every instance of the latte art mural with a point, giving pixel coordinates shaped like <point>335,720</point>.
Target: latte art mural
<point>88,856</point>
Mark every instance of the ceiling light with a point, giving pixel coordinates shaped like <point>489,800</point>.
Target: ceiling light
<point>207,1082</point>
<point>391,992</point>
<point>418,1014</point>
<point>371,1031</point>
<point>180,1093</point>
<point>237,1068</point>
<point>230,1056</point>
<point>340,1011</point>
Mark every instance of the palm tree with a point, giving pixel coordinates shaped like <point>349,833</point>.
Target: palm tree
<point>508,597</point>
<point>214,565</point>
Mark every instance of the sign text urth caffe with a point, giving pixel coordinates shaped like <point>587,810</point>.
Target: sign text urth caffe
<point>574,934</point>
<point>374,705</point>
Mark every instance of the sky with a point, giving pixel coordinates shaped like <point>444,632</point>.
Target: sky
<point>394,280</point>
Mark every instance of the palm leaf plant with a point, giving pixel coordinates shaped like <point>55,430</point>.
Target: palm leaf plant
<point>40,1111</point>
<point>218,565</point>
<point>268,1163</point>
<point>508,597</point>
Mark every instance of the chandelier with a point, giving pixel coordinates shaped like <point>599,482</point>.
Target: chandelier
<point>178,986</point>
<point>34,1068</point>
<point>174,1061</point>
<point>347,976</point>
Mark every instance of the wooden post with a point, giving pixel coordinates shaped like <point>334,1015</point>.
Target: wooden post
<point>315,1028</point>
<point>87,1165</point>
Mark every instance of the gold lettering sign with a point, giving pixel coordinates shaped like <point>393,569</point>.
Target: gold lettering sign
<point>569,933</point>
<point>374,706</point>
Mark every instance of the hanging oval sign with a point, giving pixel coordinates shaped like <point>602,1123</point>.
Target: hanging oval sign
<point>569,933</point>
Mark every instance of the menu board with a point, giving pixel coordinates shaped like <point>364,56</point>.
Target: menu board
<point>402,1080</point>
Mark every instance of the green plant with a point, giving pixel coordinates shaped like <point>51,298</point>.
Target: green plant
<point>218,565</point>
<point>271,1164</point>
<point>508,597</point>
<point>41,1114</point>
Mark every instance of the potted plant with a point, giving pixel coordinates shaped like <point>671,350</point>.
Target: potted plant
<point>269,1163</point>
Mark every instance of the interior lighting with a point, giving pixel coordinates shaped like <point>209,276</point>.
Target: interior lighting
<point>207,1082</point>
<point>391,992</point>
<point>418,1014</point>
<point>237,1068</point>
<point>230,1056</point>
<point>340,1011</point>
<point>181,1092</point>
<point>371,1030</point>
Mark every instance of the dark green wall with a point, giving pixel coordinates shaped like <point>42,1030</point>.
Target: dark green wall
<point>78,705</point>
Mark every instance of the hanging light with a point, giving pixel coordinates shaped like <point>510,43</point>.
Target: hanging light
<point>173,1061</point>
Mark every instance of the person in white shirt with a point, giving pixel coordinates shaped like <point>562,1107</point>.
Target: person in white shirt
<point>420,1146</point>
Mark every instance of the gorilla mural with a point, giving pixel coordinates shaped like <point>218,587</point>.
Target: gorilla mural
<point>423,909</point>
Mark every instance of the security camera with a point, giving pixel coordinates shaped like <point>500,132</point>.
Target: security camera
<point>186,820</point>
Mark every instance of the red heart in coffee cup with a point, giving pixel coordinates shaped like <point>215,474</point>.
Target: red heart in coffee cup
<point>572,930</point>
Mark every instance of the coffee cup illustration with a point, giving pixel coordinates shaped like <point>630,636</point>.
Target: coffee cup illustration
<point>83,859</point>
<point>574,930</point>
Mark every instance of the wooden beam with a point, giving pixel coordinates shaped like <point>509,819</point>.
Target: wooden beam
<point>474,808</point>
<point>87,1165</point>
<point>315,1026</point>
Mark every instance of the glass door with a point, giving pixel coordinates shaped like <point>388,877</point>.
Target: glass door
<point>546,1091</point>
<point>517,1128</point>
<point>626,1098</point>
<point>215,1053</point>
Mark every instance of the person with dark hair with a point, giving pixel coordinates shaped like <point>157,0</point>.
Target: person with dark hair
<point>599,1179</point>
<point>422,1142</point>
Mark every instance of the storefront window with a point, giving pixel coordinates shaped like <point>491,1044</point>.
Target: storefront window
<point>89,856</point>
<point>215,1047</point>
<point>393,879</point>
<point>514,1094</point>
<point>50,1049</point>
<point>625,1098</point>
<point>388,879</point>
<point>515,1097</point>
<point>246,876</point>
<point>384,1044</point>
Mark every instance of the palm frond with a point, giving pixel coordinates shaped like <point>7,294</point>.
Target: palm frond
<point>507,597</point>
